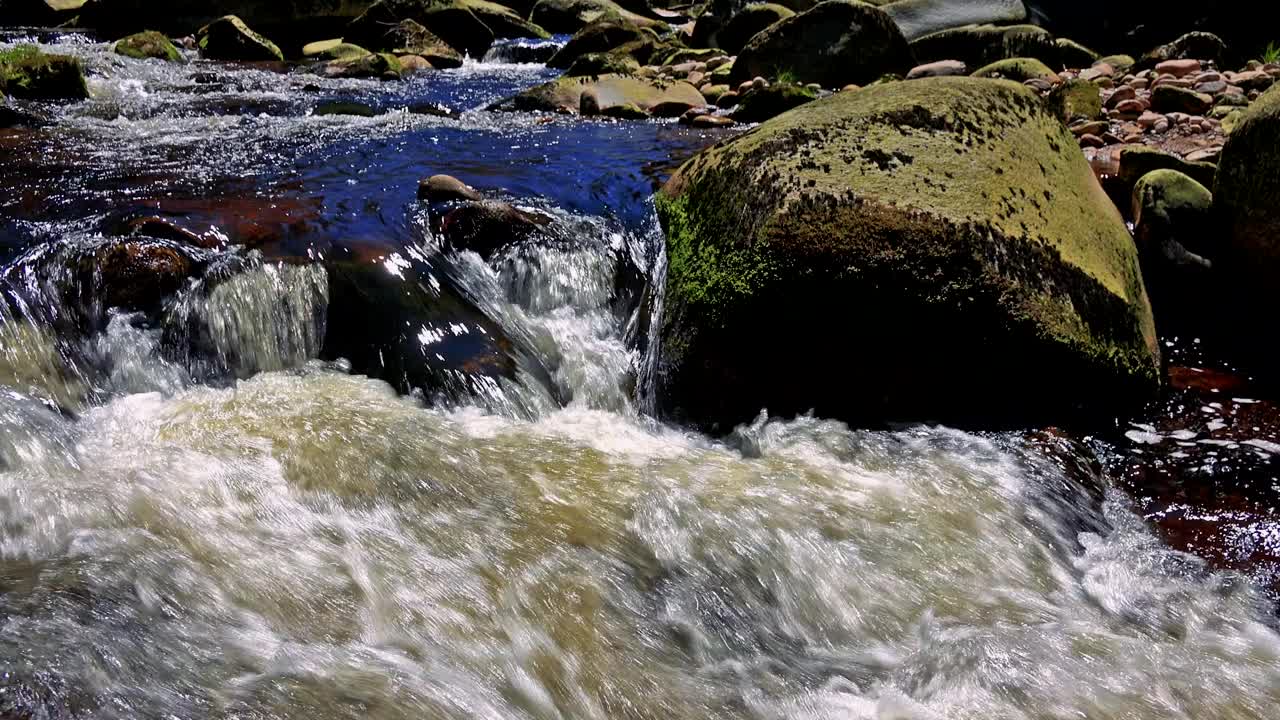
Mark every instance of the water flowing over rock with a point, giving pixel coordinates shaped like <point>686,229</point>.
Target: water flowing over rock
<point>148,44</point>
<point>977,267</point>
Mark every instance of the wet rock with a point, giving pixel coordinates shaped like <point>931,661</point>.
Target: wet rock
<point>344,107</point>
<point>918,18</point>
<point>1076,99</point>
<point>746,23</point>
<point>404,321</point>
<point>1246,192</point>
<point>570,16</point>
<point>1119,63</point>
<point>451,21</point>
<point>228,38</point>
<point>938,211</point>
<point>409,37</point>
<point>1168,99</point>
<point>603,64</point>
<point>1191,46</point>
<point>1173,226</point>
<point>670,99</point>
<point>761,104</point>
<point>160,228</point>
<point>836,43</point>
<point>1017,69</point>
<point>148,44</point>
<point>27,73</point>
<point>12,117</point>
<point>332,50</point>
<point>941,68</point>
<point>134,274</point>
<point>488,226</point>
<point>371,65</point>
<point>981,45</point>
<point>443,188</point>
<point>602,37</point>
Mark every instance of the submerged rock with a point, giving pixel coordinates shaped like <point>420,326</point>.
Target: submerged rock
<point>1247,195</point>
<point>228,38</point>
<point>148,44</point>
<point>26,72</point>
<point>134,274</point>
<point>836,43</point>
<point>917,18</point>
<point>944,234</point>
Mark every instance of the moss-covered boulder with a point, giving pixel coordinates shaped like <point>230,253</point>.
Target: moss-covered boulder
<point>918,18</point>
<point>1191,46</point>
<point>570,16</point>
<point>502,20</point>
<point>1074,55</point>
<point>148,45</point>
<point>596,95</point>
<point>1076,99</point>
<point>746,23</point>
<point>228,38</point>
<point>768,102</point>
<point>450,20</point>
<point>979,45</point>
<point>409,37</point>
<point>27,73</point>
<point>1138,160</point>
<point>602,37</point>
<point>1019,69</point>
<point>836,43</point>
<point>1247,195</point>
<point>1120,63</point>
<point>981,273</point>
<point>334,49</point>
<point>603,64</point>
<point>1174,228</point>
<point>370,65</point>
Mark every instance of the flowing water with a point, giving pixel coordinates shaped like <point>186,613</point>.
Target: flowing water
<point>256,533</point>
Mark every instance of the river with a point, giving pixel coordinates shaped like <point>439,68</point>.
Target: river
<point>276,536</point>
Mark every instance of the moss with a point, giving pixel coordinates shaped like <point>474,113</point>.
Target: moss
<point>25,72</point>
<point>1019,69</point>
<point>1074,55</point>
<point>333,50</point>
<point>1246,188</point>
<point>954,200</point>
<point>764,103</point>
<point>565,94</point>
<point>148,44</point>
<point>603,64</point>
<point>1138,160</point>
<point>1076,99</point>
<point>228,38</point>
<point>600,37</point>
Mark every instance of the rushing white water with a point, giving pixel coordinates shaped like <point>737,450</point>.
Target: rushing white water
<point>296,541</point>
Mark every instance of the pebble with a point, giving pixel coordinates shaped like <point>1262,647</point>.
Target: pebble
<point>1122,93</point>
<point>1138,83</point>
<point>717,61</point>
<point>941,68</point>
<point>1178,68</point>
<point>1111,138</point>
<point>1091,141</point>
<point>1133,138</point>
<point>1097,72</point>
<point>1038,84</point>
<point>1161,126</point>
<point>1149,119</point>
<point>850,88</point>
<point>1212,88</point>
<point>413,63</point>
<point>695,78</point>
<point>745,86</point>
<point>1209,76</point>
<point>1171,81</point>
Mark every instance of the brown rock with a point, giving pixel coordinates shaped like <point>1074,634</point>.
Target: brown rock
<point>1092,141</point>
<point>941,68</point>
<point>440,188</point>
<point>1122,93</point>
<point>1097,127</point>
<point>413,64</point>
<point>1178,68</point>
<point>1101,70</point>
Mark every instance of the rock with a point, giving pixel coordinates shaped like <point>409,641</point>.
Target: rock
<point>603,64</point>
<point>134,274</point>
<point>664,99</point>
<point>1178,68</point>
<point>1167,99</point>
<point>1096,127</point>
<point>369,65</point>
<point>503,21</point>
<point>413,64</point>
<point>711,121</point>
<point>570,16</point>
<point>1091,141</point>
<point>1129,109</point>
<point>917,18</point>
<point>981,45</point>
<point>1173,223</point>
<point>148,44</point>
<point>228,38</point>
<point>760,104</point>
<point>1098,72</point>
<point>11,117</point>
<point>1137,161</point>
<point>452,21</point>
<point>1018,69</point>
<point>27,73</point>
<point>409,37</point>
<point>332,50</point>
<point>1192,46</point>
<point>488,226</point>
<point>746,23</point>
<point>344,107</point>
<point>1074,55</point>
<point>940,68</point>
<point>410,325</point>
<point>728,100</point>
<point>1076,100</point>
<point>1245,195</point>
<point>1119,63</point>
<point>443,188</point>
<point>603,37</point>
<point>835,43</point>
<point>1121,94</point>
<point>986,277</point>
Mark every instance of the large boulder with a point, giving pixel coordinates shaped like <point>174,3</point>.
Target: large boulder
<point>228,38</point>
<point>980,45</point>
<point>600,37</point>
<point>597,95</point>
<point>25,72</point>
<point>836,43</point>
<point>760,104</point>
<point>1247,195</point>
<point>409,37</point>
<point>746,23</point>
<point>292,20</point>
<point>503,21</point>
<point>570,16</point>
<point>450,20</point>
<point>148,44</point>
<point>917,18</point>
<point>1174,229</point>
<point>982,274</point>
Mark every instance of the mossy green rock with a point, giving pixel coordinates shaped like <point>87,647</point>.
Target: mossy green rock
<point>1247,194</point>
<point>570,16</point>
<point>836,43</point>
<point>27,73</point>
<point>409,37</point>
<point>450,20</point>
<point>979,45</point>
<point>503,21</point>
<point>1138,160</point>
<point>768,102</point>
<point>597,94</point>
<point>600,37</point>
<point>1191,46</point>
<point>369,65</point>
<point>1175,229</point>
<point>332,50</point>
<point>1121,63</point>
<point>603,64</point>
<point>1076,99</point>
<point>928,250</point>
<point>228,38</point>
<point>1019,69</point>
<point>1074,55</point>
<point>747,22</point>
<point>148,44</point>
<point>918,18</point>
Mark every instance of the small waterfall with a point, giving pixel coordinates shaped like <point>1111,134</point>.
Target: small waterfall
<point>522,50</point>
